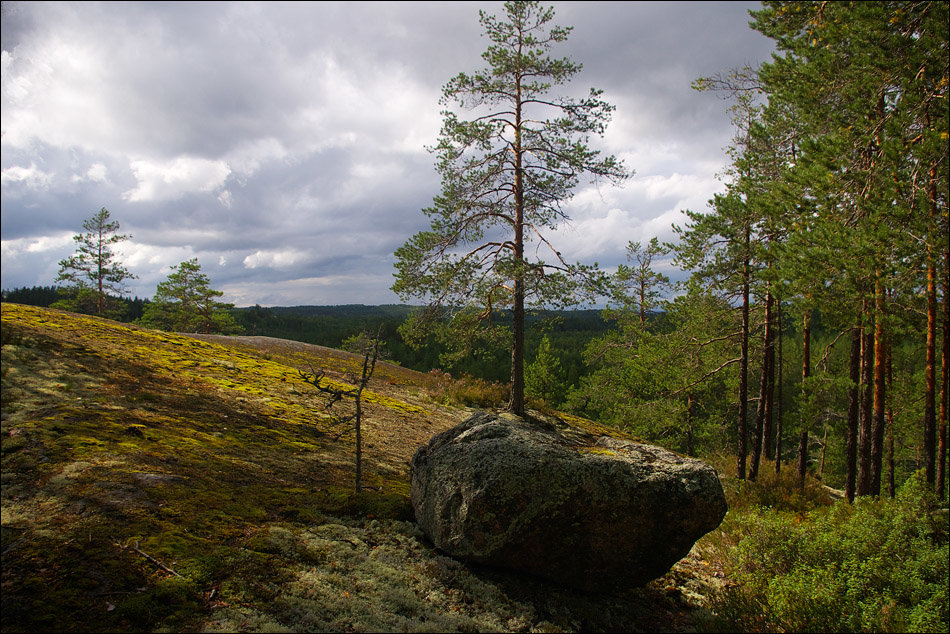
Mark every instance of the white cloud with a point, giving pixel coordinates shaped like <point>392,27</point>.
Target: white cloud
<point>148,258</point>
<point>173,179</point>
<point>275,258</point>
<point>32,176</point>
<point>43,244</point>
<point>95,174</point>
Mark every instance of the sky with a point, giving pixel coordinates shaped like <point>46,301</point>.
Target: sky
<point>283,144</point>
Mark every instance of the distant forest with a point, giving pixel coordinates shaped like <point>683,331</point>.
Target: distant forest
<point>569,332</point>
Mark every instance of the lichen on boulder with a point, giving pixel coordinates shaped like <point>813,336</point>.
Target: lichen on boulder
<point>589,512</point>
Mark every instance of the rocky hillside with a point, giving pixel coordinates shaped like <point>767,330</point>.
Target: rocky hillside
<point>155,481</point>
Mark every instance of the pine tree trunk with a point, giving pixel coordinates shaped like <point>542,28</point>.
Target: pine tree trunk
<point>743,373</point>
<point>763,426</point>
<point>930,380</point>
<point>864,430</point>
<point>890,427</point>
<point>877,438</point>
<point>806,372</point>
<point>778,401</point>
<point>853,408</point>
<point>359,440</point>
<point>802,457</point>
<point>944,383</point>
<point>767,430</point>
<point>690,407</point>
<point>516,404</point>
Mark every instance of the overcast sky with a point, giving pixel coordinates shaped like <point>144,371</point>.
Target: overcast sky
<point>283,144</point>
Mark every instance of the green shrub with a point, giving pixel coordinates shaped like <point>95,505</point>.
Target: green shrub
<point>879,565</point>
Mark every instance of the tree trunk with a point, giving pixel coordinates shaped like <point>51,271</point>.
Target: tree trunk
<point>763,423</point>
<point>690,407</point>
<point>853,407</point>
<point>768,432</point>
<point>516,404</point>
<point>802,457</point>
<point>778,401</point>
<point>930,380</point>
<point>359,440</point>
<point>890,427</point>
<point>806,372</point>
<point>864,430</point>
<point>743,371</point>
<point>880,353</point>
<point>944,381</point>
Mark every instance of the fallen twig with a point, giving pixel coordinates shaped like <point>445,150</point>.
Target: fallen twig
<point>149,557</point>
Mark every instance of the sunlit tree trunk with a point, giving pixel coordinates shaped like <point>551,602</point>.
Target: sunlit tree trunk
<point>877,429</point>
<point>864,431</point>
<point>930,379</point>
<point>944,382</point>
<point>853,411</point>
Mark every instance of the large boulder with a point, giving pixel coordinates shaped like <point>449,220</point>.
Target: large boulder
<point>590,512</point>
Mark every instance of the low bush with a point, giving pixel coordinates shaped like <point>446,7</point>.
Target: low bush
<point>880,565</point>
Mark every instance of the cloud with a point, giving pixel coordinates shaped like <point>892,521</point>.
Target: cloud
<point>278,259</point>
<point>96,174</point>
<point>29,177</point>
<point>171,180</point>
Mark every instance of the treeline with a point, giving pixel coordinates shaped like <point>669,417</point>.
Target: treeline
<point>568,332</point>
<point>126,309</point>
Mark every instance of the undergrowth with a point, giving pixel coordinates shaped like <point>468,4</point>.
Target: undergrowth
<point>800,563</point>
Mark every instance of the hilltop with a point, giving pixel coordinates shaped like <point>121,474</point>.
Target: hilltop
<point>160,481</point>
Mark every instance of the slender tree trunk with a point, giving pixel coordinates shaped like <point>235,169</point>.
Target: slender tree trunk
<point>877,438</point>
<point>944,381</point>
<point>778,400</point>
<point>853,408</point>
<point>516,404</point>
<point>690,407</point>
<point>763,426</point>
<point>643,300</point>
<point>802,458</point>
<point>768,432</point>
<point>930,380</point>
<point>864,431</point>
<point>743,370</point>
<point>359,439</point>
<point>890,426</point>
<point>806,372</point>
<point>100,273</point>
<point>824,449</point>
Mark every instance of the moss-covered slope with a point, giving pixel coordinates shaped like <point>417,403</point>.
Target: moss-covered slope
<point>155,481</point>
